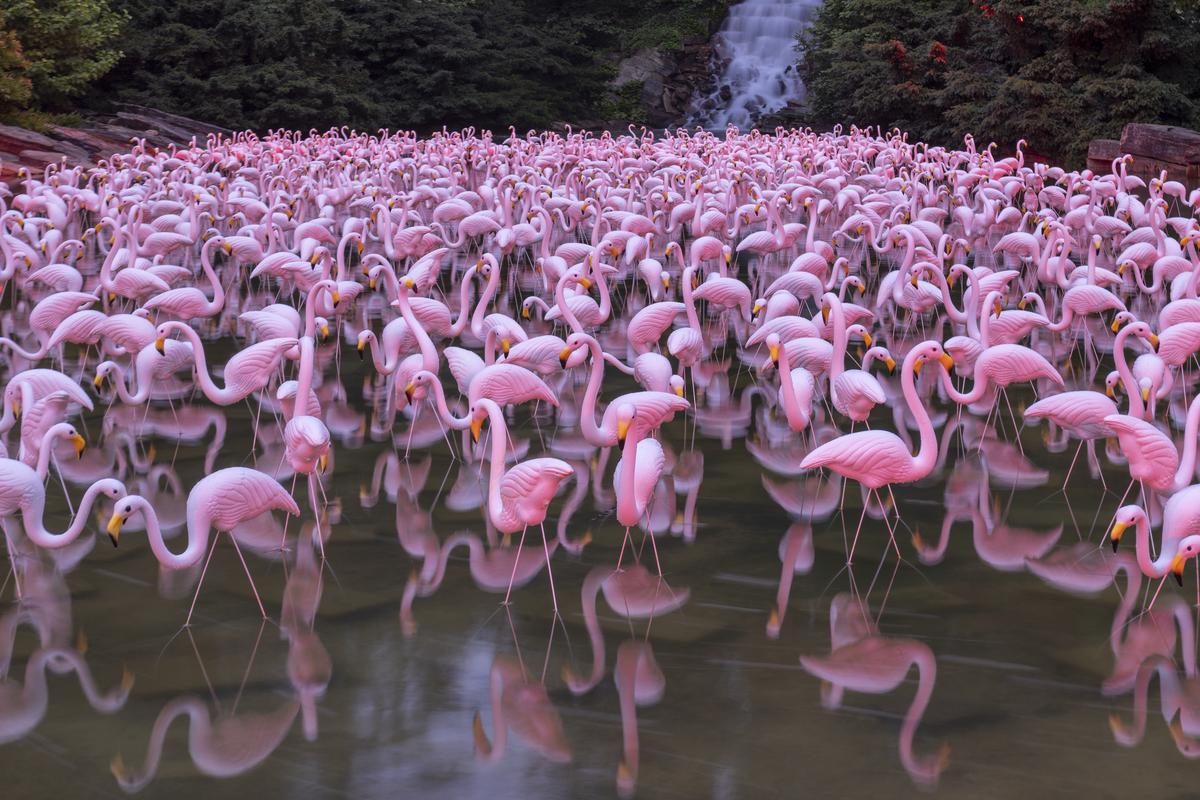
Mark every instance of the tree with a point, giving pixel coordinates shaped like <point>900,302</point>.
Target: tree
<point>15,86</point>
<point>66,45</point>
<point>1055,72</point>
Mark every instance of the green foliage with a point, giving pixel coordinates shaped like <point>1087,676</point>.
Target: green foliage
<point>15,86</point>
<point>390,63</point>
<point>65,45</point>
<point>625,103</point>
<point>1056,72</point>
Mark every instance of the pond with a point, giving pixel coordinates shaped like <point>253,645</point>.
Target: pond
<point>1006,652</point>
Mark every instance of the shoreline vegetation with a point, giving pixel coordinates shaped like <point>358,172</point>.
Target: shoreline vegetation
<point>1058,73</point>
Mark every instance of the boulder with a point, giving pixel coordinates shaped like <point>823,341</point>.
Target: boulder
<point>1161,143</point>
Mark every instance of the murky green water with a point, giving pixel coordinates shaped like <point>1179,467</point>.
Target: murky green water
<point>1016,705</point>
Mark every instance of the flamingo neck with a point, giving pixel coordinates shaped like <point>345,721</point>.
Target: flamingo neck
<point>429,354</point>
<point>32,518</point>
<point>926,455</point>
<point>1152,568</point>
<point>591,431</point>
<point>1136,408</point>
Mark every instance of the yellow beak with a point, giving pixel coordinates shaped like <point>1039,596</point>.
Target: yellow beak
<point>774,349</point>
<point>622,430</point>
<point>114,528</point>
<point>586,283</point>
<point>336,295</point>
<point>678,391</point>
<point>825,313</point>
<point>947,361</point>
<point>1118,530</point>
<point>408,391</point>
<point>476,427</point>
<point>1177,565</point>
<point>160,344</point>
<point>98,381</point>
<point>867,339</point>
<point>323,463</point>
<point>563,355</point>
<point>1154,341</point>
<point>80,445</point>
<point>891,364</point>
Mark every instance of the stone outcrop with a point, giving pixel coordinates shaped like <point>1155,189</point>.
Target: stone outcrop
<point>1154,148</point>
<point>97,138</point>
<point>666,81</point>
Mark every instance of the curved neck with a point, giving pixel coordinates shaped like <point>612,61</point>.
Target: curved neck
<point>560,297</point>
<point>1187,460</point>
<point>31,515</point>
<point>587,420</point>
<point>429,354</point>
<point>198,532</point>
<point>791,404</point>
<point>926,677</point>
<point>837,364</point>
<point>588,597</point>
<point>206,264</point>
<point>1132,390</point>
<point>689,302</point>
<point>927,454</point>
<point>485,299</point>
<point>499,435</point>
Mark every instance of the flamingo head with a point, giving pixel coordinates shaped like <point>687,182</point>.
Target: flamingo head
<point>124,509</point>
<point>1112,382</point>
<point>1126,517</point>
<point>773,348</point>
<point>625,416</point>
<point>928,351</point>
<point>758,306</point>
<point>1189,548</point>
<point>676,384</point>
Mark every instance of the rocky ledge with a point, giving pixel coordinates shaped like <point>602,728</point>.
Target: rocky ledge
<point>96,139</point>
<point>1154,148</point>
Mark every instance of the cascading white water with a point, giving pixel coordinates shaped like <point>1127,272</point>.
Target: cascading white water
<point>757,46</point>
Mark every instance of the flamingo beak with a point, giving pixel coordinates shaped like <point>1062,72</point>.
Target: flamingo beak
<point>1145,394</point>
<point>997,309</point>
<point>324,332</point>
<point>323,463</point>
<point>947,361</point>
<point>1108,390</point>
<point>505,344</point>
<point>227,247</point>
<point>913,279</point>
<point>758,307</point>
<point>98,381</point>
<point>525,312</point>
<point>476,427</point>
<point>360,247</point>
<point>160,344</point>
<point>336,295</point>
<point>586,283</point>
<point>362,346</point>
<point>1118,530</point>
<point>825,313</point>
<point>774,350</point>
<point>891,365</point>
<point>867,339</point>
<point>728,257</point>
<point>371,284</point>
<point>622,430</point>
<point>563,355</point>
<point>1177,565</point>
<point>666,282</point>
<point>408,283</point>
<point>678,390</point>
<point>114,528</point>
<point>1154,341</point>
<point>1021,305</point>
<point>80,445</point>
<point>408,391</point>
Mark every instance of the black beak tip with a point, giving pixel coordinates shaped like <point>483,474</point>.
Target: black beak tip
<point>1179,578</point>
<point>1116,543</point>
<point>112,539</point>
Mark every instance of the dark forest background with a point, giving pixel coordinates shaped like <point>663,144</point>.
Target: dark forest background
<point>1056,72</point>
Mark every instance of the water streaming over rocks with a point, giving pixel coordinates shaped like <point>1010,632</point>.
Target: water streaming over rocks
<point>756,56</point>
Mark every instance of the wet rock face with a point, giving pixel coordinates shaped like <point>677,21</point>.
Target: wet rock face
<point>669,81</point>
<point>96,139</point>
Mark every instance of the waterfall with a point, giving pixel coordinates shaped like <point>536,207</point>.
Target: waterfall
<point>756,45</point>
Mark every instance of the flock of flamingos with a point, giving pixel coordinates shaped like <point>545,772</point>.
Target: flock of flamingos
<point>878,297</point>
